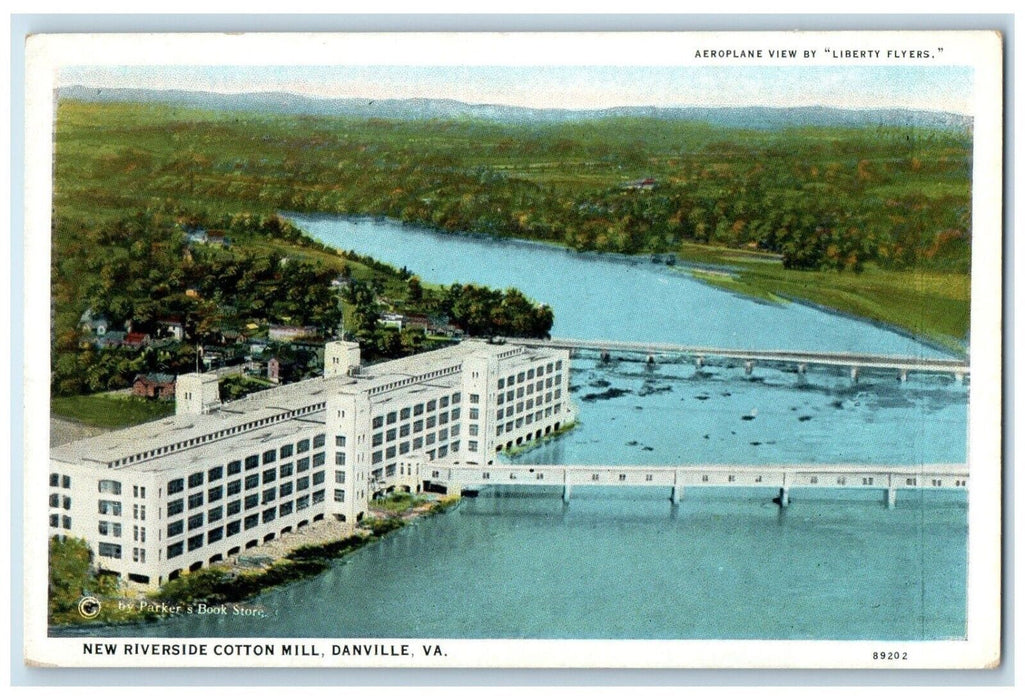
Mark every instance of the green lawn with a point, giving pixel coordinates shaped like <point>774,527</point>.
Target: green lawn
<point>110,410</point>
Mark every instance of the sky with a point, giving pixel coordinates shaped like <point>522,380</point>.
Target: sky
<point>940,88</point>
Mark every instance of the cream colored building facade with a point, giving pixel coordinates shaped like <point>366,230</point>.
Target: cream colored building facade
<point>215,479</point>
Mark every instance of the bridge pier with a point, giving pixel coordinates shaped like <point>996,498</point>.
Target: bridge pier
<point>605,356</point>
<point>903,376</point>
<point>651,359</point>
<point>959,377</point>
<point>802,368</point>
<point>891,497</point>
<point>784,497</point>
<point>677,494</point>
<point>699,361</point>
<point>749,366</point>
<point>855,373</point>
<point>567,488</point>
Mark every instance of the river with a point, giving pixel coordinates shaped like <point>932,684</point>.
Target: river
<point>622,564</point>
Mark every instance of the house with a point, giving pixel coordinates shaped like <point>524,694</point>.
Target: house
<point>172,326</point>
<point>111,339</point>
<point>97,325</point>
<point>647,183</point>
<point>279,370</point>
<point>286,333</point>
<point>393,320</point>
<point>154,386</point>
<point>137,340</point>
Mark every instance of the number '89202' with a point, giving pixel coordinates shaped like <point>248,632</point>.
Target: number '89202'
<point>890,655</point>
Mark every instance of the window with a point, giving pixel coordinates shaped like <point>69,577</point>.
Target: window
<point>302,464</point>
<point>269,514</point>
<point>55,500</point>
<point>195,500</point>
<point>403,414</point>
<point>377,440</point>
<point>378,422</point>
<point>474,429</point>
<point>404,430</point>
<point>474,414</point>
<point>471,445</point>
<point>318,496</point>
<point>319,459</point>
<point>215,494</point>
<point>65,482</point>
<point>195,521</point>
<point>339,495</point>
<point>252,521</point>
<point>285,489</point>
<point>269,475</point>
<point>418,410</point>
<point>431,422</point>
<point>302,483</point>
<point>106,507</point>
<point>302,503</point>
<point>285,451</point>
<point>234,507</point>
<point>392,417</point>
<point>215,535</point>
<point>270,456</point>
<point>340,440</point>
<point>302,446</point>
<point>175,528</point>
<point>418,426</point>
<point>215,514</point>
<point>403,448</point>
<point>195,479</point>
<point>234,527</point>
<point>285,470</point>
<point>474,398</point>
<point>252,500</point>
<point>175,550</point>
<point>55,520</point>
<point>139,491</point>
<point>139,512</point>
<point>195,542</point>
<point>215,474</point>
<point>339,477</point>
<point>175,486</point>
<point>139,555</point>
<point>252,462</point>
<point>285,509</point>
<point>55,479</point>
<point>432,405</point>
<point>234,467</point>
<point>234,487</point>
<point>110,529</point>
<point>455,397</point>
<point>269,495</point>
<point>390,436</point>
<point>339,459</point>
<point>65,522</point>
<point>318,478</point>
<point>252,481</point>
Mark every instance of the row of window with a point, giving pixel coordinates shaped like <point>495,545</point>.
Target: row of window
<point>530,374</point>
<point>251,501</point>
<point>418,443</point>
<point>248,523</point>
<point>416,410</point>
<point>60,521</point>
<point>528,405</point>
<point>416,426</point>
<point>511,395</point>
<point>528,419</point>
<point>196,479</point>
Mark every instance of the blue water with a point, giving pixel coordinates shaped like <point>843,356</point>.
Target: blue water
<point>609,297</point>
<point>619,563</point>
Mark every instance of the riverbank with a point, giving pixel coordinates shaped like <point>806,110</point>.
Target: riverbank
<point>292,557</point>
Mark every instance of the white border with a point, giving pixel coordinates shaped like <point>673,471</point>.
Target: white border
<point>981,50</point>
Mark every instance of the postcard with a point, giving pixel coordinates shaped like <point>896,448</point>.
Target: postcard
<point>632,350</point>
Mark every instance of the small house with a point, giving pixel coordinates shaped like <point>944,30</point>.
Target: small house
<point>154,386</point>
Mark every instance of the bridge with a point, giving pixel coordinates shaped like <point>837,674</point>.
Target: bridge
<point>676,479</point>
<point>900,365</point>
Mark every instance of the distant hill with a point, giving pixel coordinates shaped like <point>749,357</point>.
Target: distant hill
<point>443,109</point>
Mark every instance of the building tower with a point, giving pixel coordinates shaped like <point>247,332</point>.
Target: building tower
<point>196,394</point>
<point>341,358</point>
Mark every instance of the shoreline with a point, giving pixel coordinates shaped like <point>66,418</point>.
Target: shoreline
<point>294,557</point>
